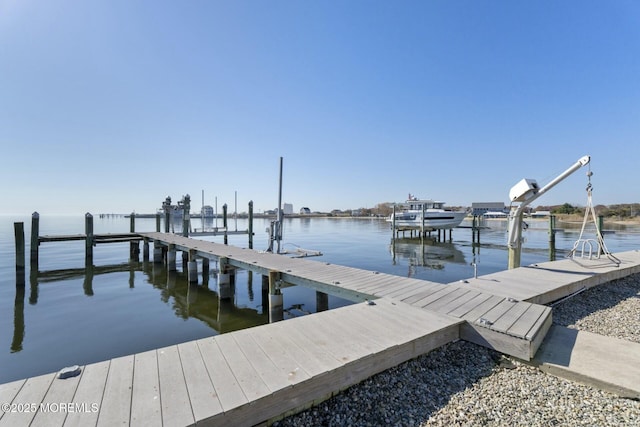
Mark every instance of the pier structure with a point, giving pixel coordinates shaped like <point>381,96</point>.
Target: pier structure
<point>92,239</point>
<point>256,375</point>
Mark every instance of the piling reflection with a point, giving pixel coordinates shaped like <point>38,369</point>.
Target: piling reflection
<point>223,298</point>
<point>18,320</point>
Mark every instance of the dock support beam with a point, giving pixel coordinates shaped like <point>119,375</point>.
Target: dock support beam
<point>193,267</point>
<point>225,280</point>
<point>322,301</point>
<point>145,249</point>
<point>171,258</point>
<point>276,300</point>
<point>157,253</point>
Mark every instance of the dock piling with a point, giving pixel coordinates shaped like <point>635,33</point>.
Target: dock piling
<point>276,300</point>
<point>224,223</point>
<point>192,267</point>
<point>552,237</point>
<point>88,227</point>
<point>134,247</point>
<point>35,232</point>
<point>171,258</point>
<point>250,230</point>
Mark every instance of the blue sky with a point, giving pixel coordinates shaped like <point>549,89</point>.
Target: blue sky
<point>111,105</point>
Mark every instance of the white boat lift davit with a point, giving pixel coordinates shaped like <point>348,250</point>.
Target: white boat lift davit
<point>525,192</point>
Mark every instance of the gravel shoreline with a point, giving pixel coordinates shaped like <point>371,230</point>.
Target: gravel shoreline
<point>464,384</point>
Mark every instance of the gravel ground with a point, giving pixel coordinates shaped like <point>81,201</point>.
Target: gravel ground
<point>463,384</point>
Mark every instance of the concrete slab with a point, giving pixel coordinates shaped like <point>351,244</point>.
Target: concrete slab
<point>607,363</point>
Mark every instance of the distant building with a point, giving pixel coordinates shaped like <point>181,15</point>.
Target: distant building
<point>287,209</point>
<point>305,211</point>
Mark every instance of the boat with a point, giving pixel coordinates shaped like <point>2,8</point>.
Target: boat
<point>435,215</point>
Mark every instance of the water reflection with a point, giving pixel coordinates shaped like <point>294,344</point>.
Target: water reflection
<point>427,253</point>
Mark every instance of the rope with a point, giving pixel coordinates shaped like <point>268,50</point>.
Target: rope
<point>602,247</point>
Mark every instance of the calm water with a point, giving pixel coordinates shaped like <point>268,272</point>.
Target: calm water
<point>67,315</point>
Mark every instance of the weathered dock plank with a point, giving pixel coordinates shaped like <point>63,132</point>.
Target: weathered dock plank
<point>145,398</point>
<point>230,393</point>
<point>26,402</point>
<point>202,393</point>
<point>116,401</point>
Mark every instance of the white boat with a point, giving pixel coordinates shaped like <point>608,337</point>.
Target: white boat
<point>435,215</point>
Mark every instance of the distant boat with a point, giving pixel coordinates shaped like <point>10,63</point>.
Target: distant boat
<point>435,215</point>
<point>495,215</point>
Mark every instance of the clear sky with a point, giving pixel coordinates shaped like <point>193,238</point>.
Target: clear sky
<point>112,105</point>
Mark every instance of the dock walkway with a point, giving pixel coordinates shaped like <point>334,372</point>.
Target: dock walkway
<point>255,375</point>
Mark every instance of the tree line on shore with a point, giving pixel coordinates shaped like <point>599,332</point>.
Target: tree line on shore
<point>624,210</point>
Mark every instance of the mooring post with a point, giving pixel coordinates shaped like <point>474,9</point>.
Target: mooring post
<point>35,233</point>
<point>250,224</point>
<point>167,220</point>
<point>88,230</point>
<point>18,228</point>
<point>276,300</point>
<point>224,223</point>
<point>157,222</point>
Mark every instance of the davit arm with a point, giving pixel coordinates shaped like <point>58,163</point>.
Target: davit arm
<point>526,192</point>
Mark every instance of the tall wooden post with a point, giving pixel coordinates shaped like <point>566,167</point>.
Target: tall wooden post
<point>167,220</point>
<point>250,230</point>
<point>157,222</point>
<point>18,228</point>
<point>88,231</point>
<point>134,247</point>
<point>35,233</point>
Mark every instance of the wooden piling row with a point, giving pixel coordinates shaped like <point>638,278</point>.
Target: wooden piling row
<point>160,253</point>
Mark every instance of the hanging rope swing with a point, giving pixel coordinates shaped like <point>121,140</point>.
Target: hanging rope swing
<point>591,248</point>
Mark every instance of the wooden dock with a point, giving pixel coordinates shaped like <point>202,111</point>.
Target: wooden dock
<point>258,374</point>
